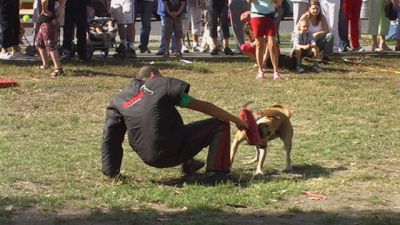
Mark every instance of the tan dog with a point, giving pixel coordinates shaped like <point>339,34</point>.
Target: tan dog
<point>272,123</point>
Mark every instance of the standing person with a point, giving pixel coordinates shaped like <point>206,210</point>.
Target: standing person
<point>146,110</point>
<point>330,9</point>
<point>237,7</point>
<point>10,26</point>
<point>146,9</point>
<point>161,13</point>
<point>218,13</point>
<point>123,11</point>
<point>47,37</point>
<point>318,26</point>
<point>195,10</point>
<point>264,31</point>
<point>75,16</point>
<point>299,8</point>
<point>173,25</point>
<point>343,27</point>
<point>352,10</point>
<point>378,25</point>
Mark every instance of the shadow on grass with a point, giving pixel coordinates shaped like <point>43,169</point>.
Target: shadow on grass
<point>151,214</point>
<point>244,178</point>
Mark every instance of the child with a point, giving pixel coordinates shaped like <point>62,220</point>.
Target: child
<point>47,37</point>
<point>173,24</point>
<point>304,45</point>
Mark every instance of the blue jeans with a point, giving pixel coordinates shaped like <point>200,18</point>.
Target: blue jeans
<point>146,8</point>
<point>343,28</point>
<point>163,37</point>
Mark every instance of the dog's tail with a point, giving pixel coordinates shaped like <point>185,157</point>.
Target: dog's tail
<point>284,109</point>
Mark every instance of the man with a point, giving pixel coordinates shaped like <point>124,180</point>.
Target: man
<point>146,109</point>
<point>75,16</point>
<point>146,10</point>
<point>10,26</point>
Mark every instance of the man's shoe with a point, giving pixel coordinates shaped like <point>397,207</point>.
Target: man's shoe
<point>228,51</point>
<point>214,51</point>
<point>191,166</point>
<point>160,53</point>
<point>216,178</point>
<point>145,50</point>
<point>299,69</point>
<point>131,53</point>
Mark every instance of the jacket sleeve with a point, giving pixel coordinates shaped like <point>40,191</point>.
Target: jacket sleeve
<point>111,149</point>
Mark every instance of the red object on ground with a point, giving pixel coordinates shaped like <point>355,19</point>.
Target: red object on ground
<point>314,196</point>
<point>252,134</point>
<point>7,83</point>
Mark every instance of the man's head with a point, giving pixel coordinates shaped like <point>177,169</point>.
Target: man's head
<point>148,72</point>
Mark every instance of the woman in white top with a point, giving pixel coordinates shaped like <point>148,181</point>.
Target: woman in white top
<point>299,8</point>
<point>318,26</point>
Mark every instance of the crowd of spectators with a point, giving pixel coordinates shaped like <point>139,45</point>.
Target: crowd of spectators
<point>328,21</point>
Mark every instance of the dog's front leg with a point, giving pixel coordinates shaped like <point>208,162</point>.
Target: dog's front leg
<point>234,146</point>
<point>255,159</point>
<point>288,149</point>
<point>263,154</point>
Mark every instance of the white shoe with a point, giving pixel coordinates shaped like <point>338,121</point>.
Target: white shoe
<point>184,49</point>
<point>236,51</point>
<point>5,55</point>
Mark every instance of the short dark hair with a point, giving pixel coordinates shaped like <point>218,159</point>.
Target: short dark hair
<point>145,72</point>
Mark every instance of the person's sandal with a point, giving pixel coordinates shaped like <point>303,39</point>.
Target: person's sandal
<point>57,73</point>
<point>43,67</point>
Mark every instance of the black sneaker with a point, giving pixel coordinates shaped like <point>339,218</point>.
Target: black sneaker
<point>191,166</point>
<point>178,55</point>
<point>214,51</point>
<point>131,53</point>
<point>228,51</point>
<point>145,50</point>
<point>160,53</point>
<point>216,178</point>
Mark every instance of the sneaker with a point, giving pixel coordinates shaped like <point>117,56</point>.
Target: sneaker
<point>144,50</point>
<point>196,49</point>
<point>17,55</point>
<point>191,166</point>
<point>178,55</point>
<point>260,75</point>
<point>299,68</point>
<point>214,51</point>
<point>236,51</point>
<point>316,68</point>
<point>166,55</point>
<point>228,51</point>
<point>359,49</point>
<point>131,53</point>
<point>374,48</point>
<point>57,73</point>
<point>277,76</point>
<point>216,178</point>
<point>184,49</point>
<point>5,55</point>
<point>160,53</point>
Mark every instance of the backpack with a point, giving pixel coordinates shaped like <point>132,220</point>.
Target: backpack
<point>390,12</point>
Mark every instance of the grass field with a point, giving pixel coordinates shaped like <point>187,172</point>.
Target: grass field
<point>346,147</point>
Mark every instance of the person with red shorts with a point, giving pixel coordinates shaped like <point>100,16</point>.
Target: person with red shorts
<point>146,111</point>
<point>264,31</point>
<point>47,37</point>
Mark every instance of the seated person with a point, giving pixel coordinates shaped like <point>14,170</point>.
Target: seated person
<point>101,30</point>
<point>304,45</point>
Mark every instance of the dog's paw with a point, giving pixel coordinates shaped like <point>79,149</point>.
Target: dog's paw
<point>258,173</point>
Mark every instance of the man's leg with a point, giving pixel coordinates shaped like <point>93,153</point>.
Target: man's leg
<point>213,133</point>
<point>145,16</point>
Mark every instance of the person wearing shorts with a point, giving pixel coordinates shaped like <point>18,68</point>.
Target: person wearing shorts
<point>123,11</point>
<point>146,111</point>
<point>264,31</point>
<point>47,37</point>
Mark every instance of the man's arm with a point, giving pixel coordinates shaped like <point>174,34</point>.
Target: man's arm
<point>111,149</point>
<point>217,112</point>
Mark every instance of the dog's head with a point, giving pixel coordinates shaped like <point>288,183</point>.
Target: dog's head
<point>269,120</point>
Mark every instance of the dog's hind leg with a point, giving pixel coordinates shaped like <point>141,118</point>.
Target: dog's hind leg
<point>255,159</point>
<point>287,142</point>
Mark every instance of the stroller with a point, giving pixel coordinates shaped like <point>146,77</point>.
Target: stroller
<point>102,32</point>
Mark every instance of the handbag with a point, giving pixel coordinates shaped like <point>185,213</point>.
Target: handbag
<point>390,12</point>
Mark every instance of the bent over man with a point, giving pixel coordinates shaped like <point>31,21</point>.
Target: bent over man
<point>146,110</point>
